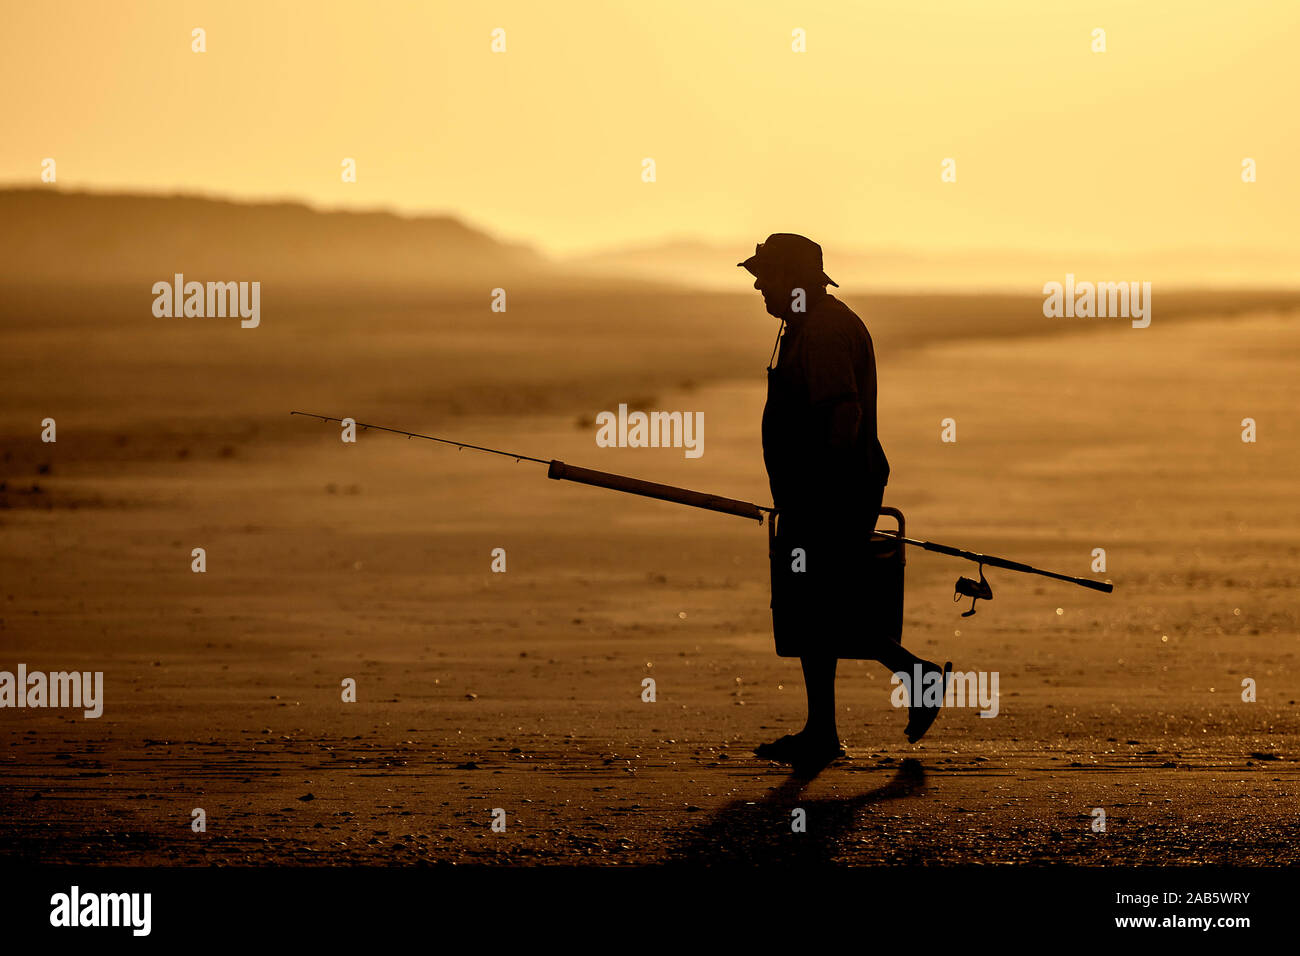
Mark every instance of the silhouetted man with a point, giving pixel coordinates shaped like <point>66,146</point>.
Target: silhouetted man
<point>827,472</point>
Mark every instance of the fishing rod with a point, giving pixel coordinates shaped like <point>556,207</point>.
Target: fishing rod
<point>559,470</point>
<point>587,476</point>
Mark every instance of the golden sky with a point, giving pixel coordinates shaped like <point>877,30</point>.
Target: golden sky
<point>1057,147</point>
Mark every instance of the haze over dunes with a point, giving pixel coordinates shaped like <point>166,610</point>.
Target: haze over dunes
<point>392,314</point>
<point>89,237</point>
<point>391,317</point>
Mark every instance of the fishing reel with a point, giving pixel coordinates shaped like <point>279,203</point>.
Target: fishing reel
<point>975,590</point>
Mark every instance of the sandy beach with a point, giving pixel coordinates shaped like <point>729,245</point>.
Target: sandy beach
<point>522,690</point>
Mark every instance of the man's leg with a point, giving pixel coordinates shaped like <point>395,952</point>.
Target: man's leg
<point>819,684</point>
<point>819,741</point>
<point>899,659</point>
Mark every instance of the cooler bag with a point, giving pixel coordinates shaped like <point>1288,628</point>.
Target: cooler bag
<point>847,598</point>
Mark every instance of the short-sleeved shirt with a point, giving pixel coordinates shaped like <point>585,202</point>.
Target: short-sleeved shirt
<point>826,357</point>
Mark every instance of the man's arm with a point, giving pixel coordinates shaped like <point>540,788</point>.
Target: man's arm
<point>833,389</point>
<point>845,420</point>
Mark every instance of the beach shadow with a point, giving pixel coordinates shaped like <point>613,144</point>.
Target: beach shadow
<point>760,832</point>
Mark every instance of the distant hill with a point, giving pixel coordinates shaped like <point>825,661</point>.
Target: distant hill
<point>55,236</point>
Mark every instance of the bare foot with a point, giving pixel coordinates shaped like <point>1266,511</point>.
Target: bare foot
<point>919,716</point>
<point>800,748</point>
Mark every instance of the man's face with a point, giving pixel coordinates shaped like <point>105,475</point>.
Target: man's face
<point>776,289</point>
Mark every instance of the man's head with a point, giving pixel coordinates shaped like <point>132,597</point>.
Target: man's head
<point>783,263</point>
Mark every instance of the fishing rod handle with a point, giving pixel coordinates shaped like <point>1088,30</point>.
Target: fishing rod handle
<point>651,489</point>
